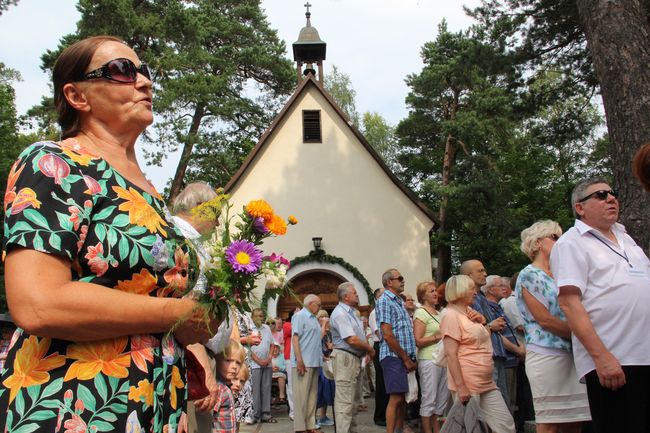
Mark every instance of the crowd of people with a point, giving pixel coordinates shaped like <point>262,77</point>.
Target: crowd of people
<point>569,330</point>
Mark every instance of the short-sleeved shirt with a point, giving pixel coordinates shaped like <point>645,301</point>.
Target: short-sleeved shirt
<point>432,327</point>
<point>474,350</point>
<point>511,309</point>
<point>63,200</point>
<point>305,325</point>
<point>345,323</point>
<point>374,328</point>
<point>223,414</point>
<point>262,350</point>
<point>539,284</point>
<point>390,309</point>
<point>615,288</point>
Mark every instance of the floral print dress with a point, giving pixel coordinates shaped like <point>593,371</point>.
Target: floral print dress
<point>61,199</point>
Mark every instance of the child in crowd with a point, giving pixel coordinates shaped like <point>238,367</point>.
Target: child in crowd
<point>238,382</point>
<point>229,364</point>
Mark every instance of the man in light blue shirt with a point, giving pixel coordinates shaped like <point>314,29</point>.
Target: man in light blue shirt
<point>306,359</point>
<point>262,369</point>
<point>350,346</point>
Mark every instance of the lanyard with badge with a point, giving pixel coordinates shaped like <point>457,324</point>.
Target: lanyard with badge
<point>631,271</point>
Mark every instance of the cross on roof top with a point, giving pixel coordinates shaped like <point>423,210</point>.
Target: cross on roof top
<point>307,5</point>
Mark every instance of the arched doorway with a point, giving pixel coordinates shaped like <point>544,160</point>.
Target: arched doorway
<point>317,282</point>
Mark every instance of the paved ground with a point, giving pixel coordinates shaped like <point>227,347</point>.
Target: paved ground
<point>285,425</point>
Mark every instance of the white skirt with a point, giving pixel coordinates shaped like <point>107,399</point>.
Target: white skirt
<point>558,397</point>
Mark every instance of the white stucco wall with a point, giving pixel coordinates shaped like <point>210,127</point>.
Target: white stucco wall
<point>339,192</point>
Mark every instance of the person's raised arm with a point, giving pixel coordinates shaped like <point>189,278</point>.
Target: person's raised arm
<point>610,373</point>
<point>44,301</point>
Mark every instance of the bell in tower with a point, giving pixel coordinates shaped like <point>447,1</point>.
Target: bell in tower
<point>309,49</point>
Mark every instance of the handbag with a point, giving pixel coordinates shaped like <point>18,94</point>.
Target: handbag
<point>412,394</point>
<point>196,388</point>
<point>328,368</point>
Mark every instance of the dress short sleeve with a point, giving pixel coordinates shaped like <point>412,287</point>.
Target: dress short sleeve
<point>47,202</point>
<point>450,325</point>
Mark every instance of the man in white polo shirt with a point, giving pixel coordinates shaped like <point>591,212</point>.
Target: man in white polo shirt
<point>604,290</point>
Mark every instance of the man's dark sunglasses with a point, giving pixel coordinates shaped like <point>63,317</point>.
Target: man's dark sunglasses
<point>119,70</point>
<point>600,195</point>
<point>400,278</point>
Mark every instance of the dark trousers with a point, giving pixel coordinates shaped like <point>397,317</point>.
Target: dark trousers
<point>381,399</point>
<point>626,410</point>
<point>261,379</point>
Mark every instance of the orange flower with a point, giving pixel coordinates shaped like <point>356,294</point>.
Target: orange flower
<point>176,277</point>
<point>176,382</point>
<point>144,391</point>
<point>25,198</point>
<point>141,283</point>
<point>292,220</point>
<point>77,152</point>
<point>141,213</point>
<point>31,366</point>
<point>92,357</point>
<point>142,350</point>
<point>276,225</point>
<point>10,192</point>
<point>260,209</point>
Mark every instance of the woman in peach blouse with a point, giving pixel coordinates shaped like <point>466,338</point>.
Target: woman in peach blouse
<point>469,356</point>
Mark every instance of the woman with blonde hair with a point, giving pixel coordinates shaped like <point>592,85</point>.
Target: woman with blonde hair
<point>560,401</point>
<point>469,356</point>
<point>433,379</point>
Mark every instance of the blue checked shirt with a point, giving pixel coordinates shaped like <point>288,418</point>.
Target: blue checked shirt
<point>390,309</point>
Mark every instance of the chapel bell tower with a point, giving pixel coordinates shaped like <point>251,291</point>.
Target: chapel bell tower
<point>309,49</point>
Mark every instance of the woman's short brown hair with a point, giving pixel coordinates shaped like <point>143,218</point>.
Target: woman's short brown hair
<point>70,66</point>
<point>641,165</point>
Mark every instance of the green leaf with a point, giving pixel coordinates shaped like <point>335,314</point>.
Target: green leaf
<point>64,221</point>
<point>100,232</point>
<point>107,416</point>
<point>118,408</point>
<point>84,394</point>
<point>134,257</point>
<point>124,388</point>
<point>113,382</point>
<point>101,425</point>
<point>51,404</point>
<point>55,241</point>
<point>54,387</point>
<point>112,236</point>
<point>41,415</point>
<point>147,256</point>
<point>136,230</point>
<point>20,403</point>
<point>36,218</point>
<point>65,185</point>
<point>120,181</point>
<point>123,248</point>
<point>147,241</point>
<point>104,213</point>
<point>21,226</point>
<point>38,242</point>
<point>121,220</point>
<point>27,428</point>
<point>100,386</point>
<point>33,392</point>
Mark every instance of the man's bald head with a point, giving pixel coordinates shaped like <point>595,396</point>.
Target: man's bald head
<point>475,270</point>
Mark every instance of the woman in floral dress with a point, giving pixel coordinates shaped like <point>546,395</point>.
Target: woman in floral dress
<point>95,270</point>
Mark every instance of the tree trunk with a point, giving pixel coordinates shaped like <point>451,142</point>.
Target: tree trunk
<point>618,39</point>
<point>444,249</point>
<point>190,139</point>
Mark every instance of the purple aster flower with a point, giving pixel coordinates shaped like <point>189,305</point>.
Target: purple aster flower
<point>244,257</point>
<point>258,223</point>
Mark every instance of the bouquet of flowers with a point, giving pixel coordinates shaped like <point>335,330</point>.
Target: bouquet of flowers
<point>233,260</point>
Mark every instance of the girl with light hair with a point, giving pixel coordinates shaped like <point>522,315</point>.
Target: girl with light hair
<point>560,401</point>
<point>469,356</point>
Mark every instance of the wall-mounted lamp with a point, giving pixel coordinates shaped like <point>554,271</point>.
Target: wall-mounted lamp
<point>317,242</point>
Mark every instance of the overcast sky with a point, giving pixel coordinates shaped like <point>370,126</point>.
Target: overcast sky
<point>376,42</point>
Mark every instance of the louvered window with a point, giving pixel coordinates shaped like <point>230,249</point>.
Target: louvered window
<point>311,131</point>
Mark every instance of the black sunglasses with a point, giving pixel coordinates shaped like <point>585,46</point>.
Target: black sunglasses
<point>400,278</point>
<point>554,237</point>
<point>600,195</point>
<point>119,70</point>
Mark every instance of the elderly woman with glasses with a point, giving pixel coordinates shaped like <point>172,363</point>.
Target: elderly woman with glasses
<point>95,269</point>
<point>560,401</point>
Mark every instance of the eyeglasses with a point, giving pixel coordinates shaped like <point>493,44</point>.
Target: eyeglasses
<point>600,195</point>
<point>553,237</point>
<point>400,278</point>
<point>119,70</point>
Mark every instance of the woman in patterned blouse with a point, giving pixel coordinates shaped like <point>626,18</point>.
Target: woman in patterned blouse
<point>95,269</point>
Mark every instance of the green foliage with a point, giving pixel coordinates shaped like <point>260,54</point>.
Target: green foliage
<point>512,163</point>
<point>4,4</point>
<point>381,135</point>
<point>339,86</point>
